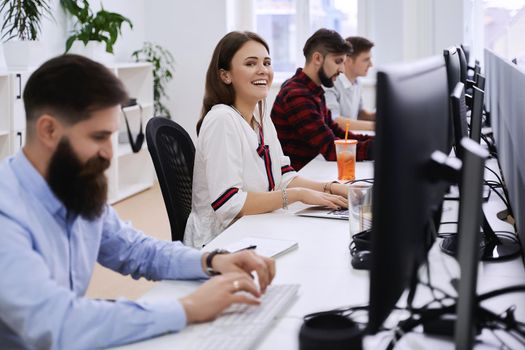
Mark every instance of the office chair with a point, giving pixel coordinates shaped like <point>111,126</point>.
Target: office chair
<point>173,155</point>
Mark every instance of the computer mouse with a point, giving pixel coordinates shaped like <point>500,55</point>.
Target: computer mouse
<point>361,260</point>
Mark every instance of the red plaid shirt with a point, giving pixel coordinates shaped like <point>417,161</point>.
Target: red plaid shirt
<point>305,126</point>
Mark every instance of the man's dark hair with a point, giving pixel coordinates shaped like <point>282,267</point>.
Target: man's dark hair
<point>359,45</point>
<point>71,87</point>
<point>326,41</point>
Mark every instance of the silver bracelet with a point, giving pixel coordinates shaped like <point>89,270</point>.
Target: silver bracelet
<point>285,199</point>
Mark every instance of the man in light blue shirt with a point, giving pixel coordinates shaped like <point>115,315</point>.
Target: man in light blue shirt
<point>55,224</point>
<point>344,99</point>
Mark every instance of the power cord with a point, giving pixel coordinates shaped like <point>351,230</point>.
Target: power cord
<point>350,182</point>
<point>421,316</point>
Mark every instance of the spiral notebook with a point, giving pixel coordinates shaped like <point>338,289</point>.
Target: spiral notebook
<point>270,247</point>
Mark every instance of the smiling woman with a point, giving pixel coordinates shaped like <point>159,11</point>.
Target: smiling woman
<point>240,168</point>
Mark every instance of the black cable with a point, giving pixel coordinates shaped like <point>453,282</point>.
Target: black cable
<point>447,234</point>
<point>448,222</point>
<point>517,337</point>
<point>500,180</point>
<point>431,314</point>
<point>493,184</point>
<point>369,180</point>
<point>498,338</point>
<point>429,285</point>
<point>509,234</point>
<point>504,200</point>
<point>505,192</point>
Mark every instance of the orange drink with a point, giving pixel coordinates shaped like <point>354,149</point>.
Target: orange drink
<point>346,151</point>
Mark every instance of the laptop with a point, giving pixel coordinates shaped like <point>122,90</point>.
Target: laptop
<point>323,212</point>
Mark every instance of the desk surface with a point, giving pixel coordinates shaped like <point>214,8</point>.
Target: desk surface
<point>321,265</point>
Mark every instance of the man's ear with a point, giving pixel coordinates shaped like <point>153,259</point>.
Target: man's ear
<point>317,58</point>
<point>48,130</point>
<point>225,76</point>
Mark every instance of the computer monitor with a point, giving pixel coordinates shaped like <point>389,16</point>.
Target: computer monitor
<point>453,64</point>
<point>463,65</point>
<point>459,113</point>
<point>412,122</point>
<point>477,68</point>
<point>466,51</point>
<point>470,214</point>
<point>452,61</point>
<point>493,245</point>
<point>507,83</point>
<point>480,81</point>
<point>476,114</point>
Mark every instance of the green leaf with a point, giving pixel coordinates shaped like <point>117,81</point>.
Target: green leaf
<point>22,18</point>
<point>103,26</point>
<point>69,42</point>
<point>163,65</point>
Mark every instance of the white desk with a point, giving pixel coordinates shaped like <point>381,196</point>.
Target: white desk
<point>321,265</point>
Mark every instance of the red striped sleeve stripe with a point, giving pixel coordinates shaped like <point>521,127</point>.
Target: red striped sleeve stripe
<point>286,169</point>
<point>268,165</point>
<point>219,202</point>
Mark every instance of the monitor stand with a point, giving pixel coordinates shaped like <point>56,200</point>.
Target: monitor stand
<point>493,246</point>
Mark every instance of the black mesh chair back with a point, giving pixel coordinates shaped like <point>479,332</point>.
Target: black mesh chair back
<point>173,154</point>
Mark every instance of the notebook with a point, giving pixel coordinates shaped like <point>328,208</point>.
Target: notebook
<point>324,212</point>
<point>270,247</point>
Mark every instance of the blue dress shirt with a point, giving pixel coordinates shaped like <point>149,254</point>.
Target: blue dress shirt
<point>47,260</point>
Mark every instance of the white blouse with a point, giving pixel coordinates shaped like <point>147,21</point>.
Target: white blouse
<point>229,162</point>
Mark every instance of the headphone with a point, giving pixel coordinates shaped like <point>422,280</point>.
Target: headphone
<point>331,330</point>
<point>361,250</point>
<point>361,241</point>
<point>136,144</point>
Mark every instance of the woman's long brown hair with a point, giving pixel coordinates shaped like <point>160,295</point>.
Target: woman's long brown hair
<point>216,91</point>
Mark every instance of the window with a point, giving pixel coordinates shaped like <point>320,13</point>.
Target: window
<point>504,27</point>
<point>286,24</point>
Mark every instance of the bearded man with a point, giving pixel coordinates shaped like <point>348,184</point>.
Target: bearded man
<point>55,224</point>
<point>303,122</point>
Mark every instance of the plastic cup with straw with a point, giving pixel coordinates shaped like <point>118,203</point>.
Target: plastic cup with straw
<point>346,151</point>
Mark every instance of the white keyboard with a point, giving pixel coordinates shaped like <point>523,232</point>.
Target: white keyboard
<point>240,326</point>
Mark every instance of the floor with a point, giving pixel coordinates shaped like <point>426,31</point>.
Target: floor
<point>146,212</point>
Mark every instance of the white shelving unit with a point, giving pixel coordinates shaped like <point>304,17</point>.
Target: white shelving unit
<point>130,172</point>
<point>4,116</point>
<point>12,116</point>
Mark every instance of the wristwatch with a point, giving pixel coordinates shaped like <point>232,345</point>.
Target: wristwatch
<point>209,269</point>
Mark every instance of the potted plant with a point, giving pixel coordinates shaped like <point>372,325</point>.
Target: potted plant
<point>94,29</point>
<point>163,67</point>
<point>21,28</point>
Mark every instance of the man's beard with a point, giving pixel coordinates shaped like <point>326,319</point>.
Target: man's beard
<point>326,81</point>
<point>82,188</point>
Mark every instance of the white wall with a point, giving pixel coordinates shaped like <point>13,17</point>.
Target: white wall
<point>190,30</point>
<point>405,30</point>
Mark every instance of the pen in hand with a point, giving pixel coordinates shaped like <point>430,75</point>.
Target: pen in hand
<point>250,247</point>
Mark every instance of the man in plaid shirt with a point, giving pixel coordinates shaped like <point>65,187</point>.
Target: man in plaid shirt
<point>303,122</point>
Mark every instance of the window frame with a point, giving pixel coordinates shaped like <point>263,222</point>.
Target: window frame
<point>303,19</point>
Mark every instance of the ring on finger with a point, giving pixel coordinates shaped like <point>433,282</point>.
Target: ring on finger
<point>236,285</point>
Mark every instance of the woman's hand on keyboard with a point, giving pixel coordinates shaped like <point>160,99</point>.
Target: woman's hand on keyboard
<point>247,261</point>
<point>312,197</point>
<point>210,299</point>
